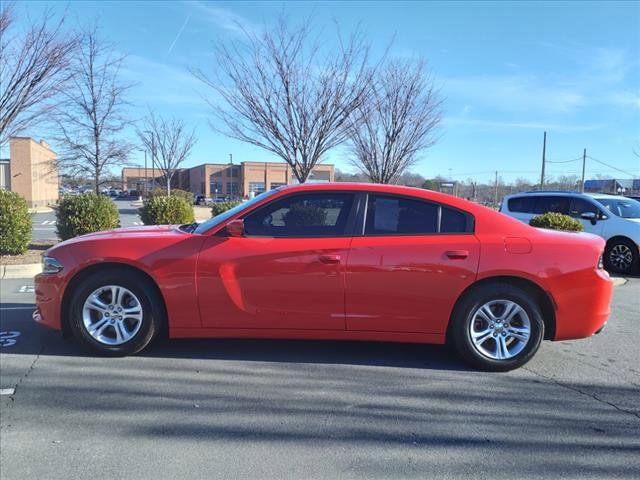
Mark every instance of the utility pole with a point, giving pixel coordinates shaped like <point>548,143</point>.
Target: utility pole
<point>146,174</point>
<point>544,151</point>
<point>584,163</point>
<point>495,196</point>
<point>231,158</point>
<point>153,159</point>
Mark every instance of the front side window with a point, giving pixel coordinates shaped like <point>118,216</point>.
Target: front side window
<point>580,206</point>
<point>391,215</point>
<point>303,215</point>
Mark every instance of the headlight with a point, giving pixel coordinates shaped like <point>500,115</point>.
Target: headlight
<point>51,265</point>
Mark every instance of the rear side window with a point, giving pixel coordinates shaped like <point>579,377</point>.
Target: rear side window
<point>522,204</point>
<point>557,204</point>
<point>391,215</point>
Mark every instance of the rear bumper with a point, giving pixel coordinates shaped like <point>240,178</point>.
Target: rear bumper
<point>48,300</point>
<point>583,303</point>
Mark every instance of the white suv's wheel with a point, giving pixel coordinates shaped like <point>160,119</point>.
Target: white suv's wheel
<point>621,256</point>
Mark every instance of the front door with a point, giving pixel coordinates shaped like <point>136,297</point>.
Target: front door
<point>580,206</point>
<point>286,272</point>
<point>407,270</point>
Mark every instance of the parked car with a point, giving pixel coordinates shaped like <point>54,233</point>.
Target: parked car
<point>333,261</point>
<point>201,200</point>
<point>612,217</point>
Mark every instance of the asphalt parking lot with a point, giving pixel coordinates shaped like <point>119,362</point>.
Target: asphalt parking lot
<point>287,409</point>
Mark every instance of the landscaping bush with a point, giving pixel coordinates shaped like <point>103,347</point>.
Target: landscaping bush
<point>166,211</point>
<point>220,207</point>
<point>175,192</point>
<point>556,221</point>
<point>301,215</point>
<point>86,213</point>
<point>15,224</point>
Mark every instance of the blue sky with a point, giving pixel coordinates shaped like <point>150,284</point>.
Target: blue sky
<point>507,72</point>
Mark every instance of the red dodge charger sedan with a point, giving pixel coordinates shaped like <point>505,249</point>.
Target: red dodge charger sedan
<point>333,261</point>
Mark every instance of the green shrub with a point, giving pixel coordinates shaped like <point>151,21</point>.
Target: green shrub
<point>301,215</point>
<point>175,192</point>
<point>86,213</point>
<point>15,224</point>
<point>221,207</point>
<point>556,221</point>
<point>166,211</point>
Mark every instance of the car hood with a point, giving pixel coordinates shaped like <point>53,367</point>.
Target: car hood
<point>125,233</point>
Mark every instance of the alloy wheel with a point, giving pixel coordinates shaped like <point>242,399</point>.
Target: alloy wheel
<point>500,329</point>
<point>112,315</point>
<point>621,257</point>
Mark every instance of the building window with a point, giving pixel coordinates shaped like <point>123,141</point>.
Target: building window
<point>235,172</point>
<point>232,188</point>
<point>275,185</point>
<point>256,187</point>
<point>216,188</point>
<point>218,173</point>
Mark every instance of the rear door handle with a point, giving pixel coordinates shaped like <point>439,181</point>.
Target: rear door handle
<point>457,254</point>
<point>329,258</point>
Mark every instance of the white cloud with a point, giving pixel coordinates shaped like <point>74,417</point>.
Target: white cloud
<point>222,18</point>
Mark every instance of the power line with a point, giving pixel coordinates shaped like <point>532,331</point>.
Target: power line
<point>610,166</point>
<point>565,161</point>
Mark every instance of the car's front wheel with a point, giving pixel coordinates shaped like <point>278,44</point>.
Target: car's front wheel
<point>497,327</point>
<point>621,256</point>
<point>112,312</point>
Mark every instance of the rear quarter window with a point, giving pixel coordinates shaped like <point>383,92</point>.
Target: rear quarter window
<point>522,204</point>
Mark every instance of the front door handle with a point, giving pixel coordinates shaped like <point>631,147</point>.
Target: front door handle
<point>333,258</point>
<point>457,254</point>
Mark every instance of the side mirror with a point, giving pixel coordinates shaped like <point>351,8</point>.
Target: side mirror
<point>235,228</point>
<point>591,216</point>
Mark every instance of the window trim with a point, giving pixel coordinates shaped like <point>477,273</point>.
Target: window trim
<point>362,217</point>
<point>350,224</point>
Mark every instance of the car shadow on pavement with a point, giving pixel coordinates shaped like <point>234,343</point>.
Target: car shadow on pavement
<point>36,339</point>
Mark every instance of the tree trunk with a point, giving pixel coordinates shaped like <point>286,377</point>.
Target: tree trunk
<point>168,186</point>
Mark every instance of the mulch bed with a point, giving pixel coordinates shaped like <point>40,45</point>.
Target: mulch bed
<point>33,255</point>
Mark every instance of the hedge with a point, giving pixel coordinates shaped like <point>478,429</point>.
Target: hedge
<point>556,221</point>
<point>15,224</point>
<point>166,211</point>
<point>220,207</point>
<point>86,213</point>
<point>175,192</point>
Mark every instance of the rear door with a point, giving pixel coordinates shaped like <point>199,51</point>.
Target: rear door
<point>409,265</point>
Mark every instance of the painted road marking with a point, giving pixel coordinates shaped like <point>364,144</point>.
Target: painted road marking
<point>7,391</point>
<point>8,339</point>
<point>48,222</point>
<point>27,289</point>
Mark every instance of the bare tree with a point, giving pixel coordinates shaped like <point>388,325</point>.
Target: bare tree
<point>170,141</point>
<point>398,120</point>
<point>34,67</point>
<point>282,94</point>
<point>91,118</point>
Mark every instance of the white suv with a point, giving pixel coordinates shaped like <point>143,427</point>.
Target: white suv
<point>614,218</point>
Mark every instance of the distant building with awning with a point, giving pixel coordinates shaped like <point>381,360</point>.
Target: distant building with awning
<point>613,185</point>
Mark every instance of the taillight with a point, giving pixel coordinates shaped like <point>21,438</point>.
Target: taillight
<point>600,263</point>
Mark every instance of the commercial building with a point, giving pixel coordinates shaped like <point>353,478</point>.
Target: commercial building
<point>225,180</point>
<point>615,186</point>
<point>31,171</point>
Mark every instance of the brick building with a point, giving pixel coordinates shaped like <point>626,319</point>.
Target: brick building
<point>31,171</point>
<point>226,179</point>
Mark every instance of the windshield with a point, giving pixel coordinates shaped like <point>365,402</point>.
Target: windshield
<point>622,207</point>
<point>212,222</point>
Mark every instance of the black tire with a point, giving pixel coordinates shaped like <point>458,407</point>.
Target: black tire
<point>618,248</point>
<point>153,316</point>
<point>465,313</point>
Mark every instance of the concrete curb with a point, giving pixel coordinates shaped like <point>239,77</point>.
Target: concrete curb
<point>618,281</point>
<point>26,270</point>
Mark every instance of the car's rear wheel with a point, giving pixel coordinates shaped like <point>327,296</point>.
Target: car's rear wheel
<point>115,312</point>
<point>621,256</point>
<point>497,327</point>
